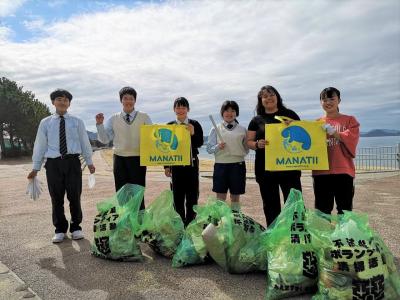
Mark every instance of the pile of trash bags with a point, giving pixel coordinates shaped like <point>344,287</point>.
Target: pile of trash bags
<point>303,251</point>
<point>333,257</point>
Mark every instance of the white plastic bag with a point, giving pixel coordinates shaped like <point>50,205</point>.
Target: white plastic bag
<point>34,188</point>
<point>91,181</point>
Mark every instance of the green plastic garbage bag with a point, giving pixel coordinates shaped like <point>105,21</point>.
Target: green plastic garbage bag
<point>192,249</point>
<point>116,223</point>
<point>162,227</point>
<point>292,261</point>
<point>354,262</point>
<point>236,243</point>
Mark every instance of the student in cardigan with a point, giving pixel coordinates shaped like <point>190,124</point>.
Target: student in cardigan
<point>185,179</point>
<point>230,167</point>
<point>337,183</point>
<point>60,139</point>
<point>123,128</point>
<point>269,105</point>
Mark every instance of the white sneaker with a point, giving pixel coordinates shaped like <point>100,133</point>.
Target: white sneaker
<point>58,237</point>
<point>77,235</point>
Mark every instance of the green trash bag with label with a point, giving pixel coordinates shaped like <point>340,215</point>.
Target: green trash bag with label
<point>292,261</point>
<point>116,223</point>
<point>354,262</point>
<point>235,243</point>
<point>192,249</point>
<point>162,227</point>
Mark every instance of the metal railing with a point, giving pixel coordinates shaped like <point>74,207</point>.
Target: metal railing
<point>380,159</point>
<point>385,158</point>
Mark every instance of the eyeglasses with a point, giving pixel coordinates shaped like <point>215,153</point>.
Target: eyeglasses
<point>267,94</point>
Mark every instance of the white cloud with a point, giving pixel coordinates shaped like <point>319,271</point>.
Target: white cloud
<point>8,7</point>
<point>56,3</point>
<point>35,24</point>
<point>212,51</point>
<point>5,32</point>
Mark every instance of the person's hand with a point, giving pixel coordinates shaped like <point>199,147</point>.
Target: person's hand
<point>168,172</point>
<point>287,122</point>
<point>91,168</point>
<point>329,129</point>
<point>32,174</point>
<point>221,145</point>
<point>261,144</point>
<point>190,127</point>
<point>99,118</point>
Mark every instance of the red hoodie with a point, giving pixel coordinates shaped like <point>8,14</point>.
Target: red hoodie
<point>341,153</point>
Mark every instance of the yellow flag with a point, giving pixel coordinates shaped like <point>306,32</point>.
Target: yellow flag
<point>164,145</point>
<point>298,146</point>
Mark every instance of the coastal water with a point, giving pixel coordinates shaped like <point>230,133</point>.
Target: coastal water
<point>364,142</point>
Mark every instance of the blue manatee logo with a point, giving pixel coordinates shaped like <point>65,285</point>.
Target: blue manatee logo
<point>166,140</point>
<point>296,139</point>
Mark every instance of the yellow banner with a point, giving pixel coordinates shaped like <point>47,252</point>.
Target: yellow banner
<point>164,145</point>
<point>298,146</point>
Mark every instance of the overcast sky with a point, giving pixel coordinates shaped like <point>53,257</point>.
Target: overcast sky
<point>207,51</point>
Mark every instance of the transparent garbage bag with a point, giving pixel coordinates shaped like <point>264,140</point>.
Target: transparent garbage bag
<point>236,243</point>
<point>162,227</point>
<point>192,249</point>
<point>292,259</point>
<point>353,260</point>
<point>116,225</point>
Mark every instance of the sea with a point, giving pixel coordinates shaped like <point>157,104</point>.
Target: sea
<point>365,142</point>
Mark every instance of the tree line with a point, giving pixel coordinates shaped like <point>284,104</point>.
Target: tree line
<point>20,115</point>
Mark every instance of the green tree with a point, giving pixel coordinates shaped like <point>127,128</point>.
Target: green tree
<point>20,115</point>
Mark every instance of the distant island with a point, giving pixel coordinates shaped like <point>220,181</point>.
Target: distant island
<point>380,132</point>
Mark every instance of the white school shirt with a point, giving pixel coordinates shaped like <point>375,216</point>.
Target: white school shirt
<point>235,143</point>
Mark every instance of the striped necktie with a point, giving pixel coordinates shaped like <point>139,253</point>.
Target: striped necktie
<point>63,139</point>
<point>127,117</point>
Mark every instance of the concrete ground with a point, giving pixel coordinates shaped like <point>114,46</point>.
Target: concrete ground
<point>34,267</point>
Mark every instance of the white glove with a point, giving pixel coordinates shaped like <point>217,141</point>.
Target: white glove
<point>34,188</point>
<point>329,128</point>
<point>91,181</point>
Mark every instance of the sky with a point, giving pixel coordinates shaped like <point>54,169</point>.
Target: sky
<point>208,52</point>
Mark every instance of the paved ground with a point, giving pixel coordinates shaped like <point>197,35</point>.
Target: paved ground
<point>68,271</point>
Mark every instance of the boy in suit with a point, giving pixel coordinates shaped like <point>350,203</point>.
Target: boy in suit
<point>60,139</point>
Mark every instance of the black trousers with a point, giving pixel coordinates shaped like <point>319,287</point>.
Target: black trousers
<point>185,185</point>
<point>269,183</point>
<point>331,188</point>
<point>128,170</point>
<point>65,176</point>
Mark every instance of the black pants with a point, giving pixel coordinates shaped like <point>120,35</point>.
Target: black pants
<point>269,183</point>
<point>128,170</point>
<point>185,184</point>
<point>331,188</point>
<point>65,175</point>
